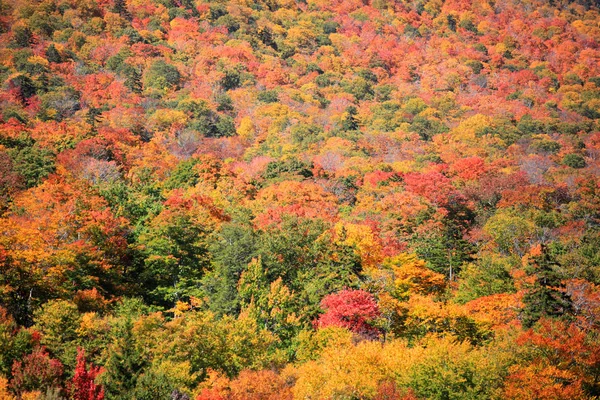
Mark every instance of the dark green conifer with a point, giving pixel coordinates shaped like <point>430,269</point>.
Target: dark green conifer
<point>547,296</point>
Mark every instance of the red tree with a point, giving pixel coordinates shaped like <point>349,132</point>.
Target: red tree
<point>83,386</point>
<point>37,371</point>
<point>351,309</point>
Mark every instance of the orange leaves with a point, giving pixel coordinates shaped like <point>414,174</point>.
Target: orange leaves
<point>101,90</point>
<point>249,385</point>
<point>470,168</point>
<point>61,228</point>
<point>497,310</point>
<point>304,199</point>
<point>202,208</point>
<point>543,383</point>
<point>565,360</point>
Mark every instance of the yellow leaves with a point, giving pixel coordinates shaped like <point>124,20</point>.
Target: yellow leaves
<point>469,128</point>
<point>246,129</point>
<point>424,315</point>
<point>403,166</point>
<point>179,373</point>
<point>91,324</point>
<point>165,118</point>
<point>35,395</point>
<point>338,144</point>
<point>501,48</point>
<point>274,110</point>
<point>38,60</point>
<point>273,118</point>
<point>180,308</point>
<point>348,370</point>
<point>302,34</point>
<point>114,22</point>
<point>362,238</point>
<point>294,193</point>
<point>412,276</point>
<point>594,105</point>
<point>432,365</point>
<point>311,343</point>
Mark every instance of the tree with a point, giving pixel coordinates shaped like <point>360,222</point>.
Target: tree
<point>574,160</point>
<point>124,364</point>
<point>83,385</point>
<point>36,371</point>
<point>349,121</point>
<point>547,296</point>
<point>558,359</point>
<point>15,342</point>
<point>355,310</point>
<point>33,163</point>
<point>161,75</point>
<point>176,248</point>
<point>58,321</point>
<point>53,55</point>
<point>133,78</point>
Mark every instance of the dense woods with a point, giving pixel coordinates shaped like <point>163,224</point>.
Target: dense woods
<point>277,199</point>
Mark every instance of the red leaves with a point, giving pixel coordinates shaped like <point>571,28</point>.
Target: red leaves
<point>434,186</point>
<point>36,371</point>
<point>374,178</point>
<point>83,386</point>
<point>351,309</point>
<point>469,168</point>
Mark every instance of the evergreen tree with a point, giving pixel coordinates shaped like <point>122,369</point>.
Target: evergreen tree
<point>53,55</point>
<point>124,364</point>
<point>133,79</point>
<point>120,7</point>
<point>350,122</point>
<point>547,296</point>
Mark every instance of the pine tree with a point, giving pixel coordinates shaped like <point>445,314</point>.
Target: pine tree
<point>93,117</point>
<point>124,365</point>
<point>53,55</point>
<point>133,80</point>
<point>547,296</point>
<point>350,122</point>
<point>120,7</point>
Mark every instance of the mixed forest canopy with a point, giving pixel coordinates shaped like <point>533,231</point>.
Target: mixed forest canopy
<point>299,199</point>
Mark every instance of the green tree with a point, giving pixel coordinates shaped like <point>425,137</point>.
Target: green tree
<point>125,362</point>
<point>232,251</point>
<point>33,163</point>
<point>547,296</point>
<point>161,75</point>
<point>574,160</point>
<point>15,342</point>
<point>176,255</point>
<point>53,55</point>
<point>58,321</point>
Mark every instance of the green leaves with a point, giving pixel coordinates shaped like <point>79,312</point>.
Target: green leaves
<point>162,76</point>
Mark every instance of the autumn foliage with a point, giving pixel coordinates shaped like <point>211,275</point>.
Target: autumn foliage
<point>276,199</point>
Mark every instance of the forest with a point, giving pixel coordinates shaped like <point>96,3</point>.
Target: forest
<point>299,199</point>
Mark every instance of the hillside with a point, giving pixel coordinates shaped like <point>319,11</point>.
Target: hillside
<point>277,199</point>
